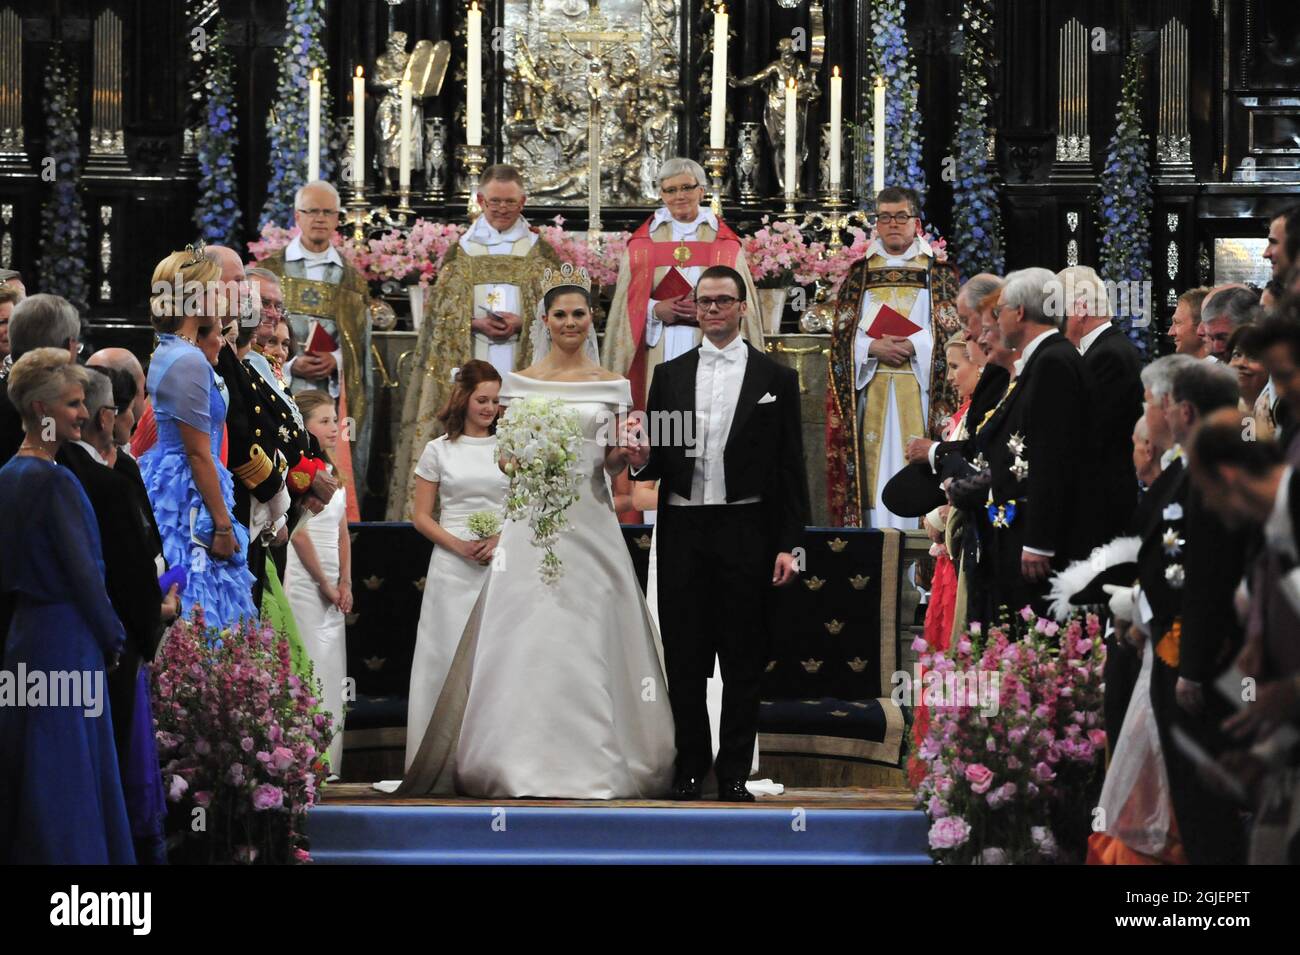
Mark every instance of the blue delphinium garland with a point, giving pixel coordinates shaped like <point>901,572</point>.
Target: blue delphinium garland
<point>893,61</point>
<point>1125,212</point>
<point>976,215</point>
<point>64,236</point>
<point>287,125</point>
<point>218,215</point>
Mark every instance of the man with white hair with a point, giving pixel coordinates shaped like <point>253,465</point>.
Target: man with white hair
<point>1042,496</point>
<point>1225,309</point>
<point>326,305</point>
<point>14,280</point>
<point>1115,367</point>
<point>652,316</point>
<point>482,306</point>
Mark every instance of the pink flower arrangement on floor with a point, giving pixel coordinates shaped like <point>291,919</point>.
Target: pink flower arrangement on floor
<point>1012,773</point>
<point>601,263</point>
<point>241,738</point>
<point>775,253</point>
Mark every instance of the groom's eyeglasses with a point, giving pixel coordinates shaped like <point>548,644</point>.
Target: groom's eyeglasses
<point>722,301</point>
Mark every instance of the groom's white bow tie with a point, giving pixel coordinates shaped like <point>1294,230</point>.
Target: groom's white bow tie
<point>730,353</point>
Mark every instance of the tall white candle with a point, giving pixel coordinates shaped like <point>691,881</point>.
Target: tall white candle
<point>358,130</point>
<point>313,126</point>
<point>790,186</point>
<point>474,79</point>
<point>878,138</point>
<point>837,136</point>
<point>404,160</point>
<point>718,112</point>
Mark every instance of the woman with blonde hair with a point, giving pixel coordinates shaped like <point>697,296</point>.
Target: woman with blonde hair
<point>61,796</point>
<point>191,491</point>
<point>318,577</point>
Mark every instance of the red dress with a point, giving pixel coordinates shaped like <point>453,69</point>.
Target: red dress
<point>938,614</point>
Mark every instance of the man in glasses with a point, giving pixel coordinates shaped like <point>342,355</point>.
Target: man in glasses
<point>325,303</point>
<point>888,375</point>
<point>482,306</point>
<point>652,316</point>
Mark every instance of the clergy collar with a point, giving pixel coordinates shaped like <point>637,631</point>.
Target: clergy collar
<point>295,251</point>
<point>705,214</point>
<point>1029,349</point>
<point>918,247</point>
<point>1170,456</point>
<point>482,232</point>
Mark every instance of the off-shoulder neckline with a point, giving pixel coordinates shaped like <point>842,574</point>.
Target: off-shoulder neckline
<point>559,381</point>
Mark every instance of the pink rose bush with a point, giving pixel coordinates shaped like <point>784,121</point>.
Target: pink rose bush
<point>241,737</point>
<point>1011,777</point>
<point>601,262</point>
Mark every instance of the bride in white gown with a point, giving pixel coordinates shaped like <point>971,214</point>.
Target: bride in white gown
<point>558,690</point>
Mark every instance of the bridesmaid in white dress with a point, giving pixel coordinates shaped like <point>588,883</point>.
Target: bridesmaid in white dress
<point>318,578</point>
<point>458,468</point>
<point>558,690</point>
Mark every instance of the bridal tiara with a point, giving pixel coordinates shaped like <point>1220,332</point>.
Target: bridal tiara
<point>566,276</point>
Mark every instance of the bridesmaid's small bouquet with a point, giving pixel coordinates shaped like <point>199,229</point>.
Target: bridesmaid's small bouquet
<point>539,440</point>
<point>484,524</point>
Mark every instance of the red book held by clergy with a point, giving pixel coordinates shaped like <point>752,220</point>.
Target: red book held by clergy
<point>319,341</point>
<point>673,285</point>
<point>890,321</point>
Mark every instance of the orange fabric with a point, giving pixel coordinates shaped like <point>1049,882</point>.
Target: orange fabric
<point>1168,647</point>
<point>1107,850</point>
<point>145,435</point>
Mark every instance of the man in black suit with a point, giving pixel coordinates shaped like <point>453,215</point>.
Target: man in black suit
<point>1115,367</point>
<point>130,543</point>
<point>725,444</point>
<point>1039,499</point>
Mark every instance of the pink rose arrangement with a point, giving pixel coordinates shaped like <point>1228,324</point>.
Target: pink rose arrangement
<point>600,262</point>
<point>240,737</point>
<point>1013,757</point>
<point>413,257</point>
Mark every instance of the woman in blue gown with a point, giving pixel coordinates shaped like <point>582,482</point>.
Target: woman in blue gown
<point>60,791</point>
<point>190,489</point>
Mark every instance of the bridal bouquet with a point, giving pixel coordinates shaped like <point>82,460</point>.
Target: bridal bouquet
<point>241,740</point>
<point>1014,751</point>
<point>540,440</point>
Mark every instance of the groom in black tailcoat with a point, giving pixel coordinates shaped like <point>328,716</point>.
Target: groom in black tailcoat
<point>725,443</point>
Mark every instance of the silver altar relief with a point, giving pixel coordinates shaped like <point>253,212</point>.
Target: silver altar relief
<point>570,64</point>
<point>748,155</point>
<point>1173,135</point>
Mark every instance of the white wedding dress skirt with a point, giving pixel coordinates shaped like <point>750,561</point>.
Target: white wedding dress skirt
<point>320,624</point>
<point>556,690</point>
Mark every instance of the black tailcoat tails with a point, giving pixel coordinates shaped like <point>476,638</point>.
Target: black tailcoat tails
<point>1115,368</point>
<point>1039,450</point>
<point>715,562</point>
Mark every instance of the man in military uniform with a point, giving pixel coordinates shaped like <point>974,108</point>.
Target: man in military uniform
<point>325,304</point>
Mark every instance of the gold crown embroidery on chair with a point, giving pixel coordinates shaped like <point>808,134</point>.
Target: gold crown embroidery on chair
<point>566,276</point>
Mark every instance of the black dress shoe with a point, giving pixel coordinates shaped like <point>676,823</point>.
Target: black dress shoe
<point>734,791</point>
<point>686,787</point>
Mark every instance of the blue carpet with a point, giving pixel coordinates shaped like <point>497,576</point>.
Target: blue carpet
<point>515,834</point>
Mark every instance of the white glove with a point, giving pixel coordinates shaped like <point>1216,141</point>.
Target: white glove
<point>1123,600</point>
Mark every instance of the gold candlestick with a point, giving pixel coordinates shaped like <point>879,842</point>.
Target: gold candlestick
<point>715,161</point>
<point>474,159</point>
